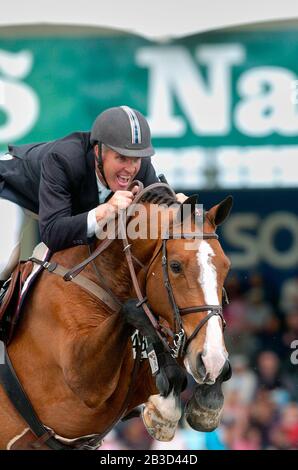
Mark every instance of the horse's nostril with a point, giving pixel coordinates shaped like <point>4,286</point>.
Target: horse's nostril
<point>201,369</point>
<point>226,371</point>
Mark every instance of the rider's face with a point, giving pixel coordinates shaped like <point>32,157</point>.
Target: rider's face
<point>119,170</point>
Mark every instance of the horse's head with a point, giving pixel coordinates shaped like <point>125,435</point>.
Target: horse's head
<point>184,286</point>
<point>180,288</point>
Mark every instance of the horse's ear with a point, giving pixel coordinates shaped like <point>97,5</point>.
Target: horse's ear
<point>218,214</point>
<point>190,201</point>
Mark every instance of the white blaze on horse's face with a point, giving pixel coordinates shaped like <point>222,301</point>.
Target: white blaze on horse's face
<point>214,354</point>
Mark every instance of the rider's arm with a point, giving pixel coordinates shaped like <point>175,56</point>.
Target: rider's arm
<point>59,229</point>
<point>91,223</point>
<point>98,217</point>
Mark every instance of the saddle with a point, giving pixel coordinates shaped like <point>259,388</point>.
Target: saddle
<point>19,285</point>
<point>9,307</point>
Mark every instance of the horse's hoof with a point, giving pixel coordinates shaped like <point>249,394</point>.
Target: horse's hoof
<point>159,428</point>
<point>203,420</point>
<point>203,410</point>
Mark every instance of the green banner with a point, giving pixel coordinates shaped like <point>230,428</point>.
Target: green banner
<point>210,91</point>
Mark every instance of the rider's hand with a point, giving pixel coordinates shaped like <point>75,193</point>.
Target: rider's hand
<point>120,200</point>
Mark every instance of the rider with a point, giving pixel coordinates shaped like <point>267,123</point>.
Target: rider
<point>73,183</point>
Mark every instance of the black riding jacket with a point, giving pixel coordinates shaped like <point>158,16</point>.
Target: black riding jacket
<point>57,181</point>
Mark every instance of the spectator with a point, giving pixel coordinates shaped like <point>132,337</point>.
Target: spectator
<point>134,436</point>
<point>238,340</point>
<point>263,415</point>
<point>261,399</point>
<point>268,371</point>
<point>291,327</point>
<point>243,379</point>
<point>285,434</point>
<point>289,338</point>
<point>289,295</point>
<point>251,440</point>
<point>258,312</point>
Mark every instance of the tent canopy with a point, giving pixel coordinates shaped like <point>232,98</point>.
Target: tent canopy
<point>154,19</point>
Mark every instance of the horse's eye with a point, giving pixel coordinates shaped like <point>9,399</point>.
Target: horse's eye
<point>176,267</point>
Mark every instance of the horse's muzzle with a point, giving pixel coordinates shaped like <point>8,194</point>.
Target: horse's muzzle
<point>202,373</point>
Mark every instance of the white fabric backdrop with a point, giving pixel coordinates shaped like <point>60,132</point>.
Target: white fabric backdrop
<point>152,18</point>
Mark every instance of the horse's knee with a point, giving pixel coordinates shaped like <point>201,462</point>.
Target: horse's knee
<point>136,317</point>
<point>170,376</point>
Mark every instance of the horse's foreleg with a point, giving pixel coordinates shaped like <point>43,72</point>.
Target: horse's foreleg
<point>161,416</point>
<point>162,412</point>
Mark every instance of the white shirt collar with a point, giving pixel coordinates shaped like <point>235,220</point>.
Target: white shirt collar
<point>103,192</point>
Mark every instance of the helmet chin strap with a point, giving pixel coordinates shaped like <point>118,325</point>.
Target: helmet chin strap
<point>100,163</point>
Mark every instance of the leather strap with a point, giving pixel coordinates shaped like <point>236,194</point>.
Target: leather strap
<point>89,286</point>
<point>216,311</point>
<point>107,242</point>
<point>18,397</point>
<point>20,400</point>
<point>72,273</point>
<point>141,298</point>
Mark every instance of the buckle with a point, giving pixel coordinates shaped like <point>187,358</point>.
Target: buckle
<point>92,444</point>
<point>141,302</point>
<point>179,342</point>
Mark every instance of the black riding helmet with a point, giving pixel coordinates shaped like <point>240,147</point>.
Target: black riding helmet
<point>124,130</point>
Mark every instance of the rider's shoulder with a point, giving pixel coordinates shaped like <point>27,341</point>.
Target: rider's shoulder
<point>75,143</point>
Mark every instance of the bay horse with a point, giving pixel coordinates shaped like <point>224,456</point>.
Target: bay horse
<point>72,352</point>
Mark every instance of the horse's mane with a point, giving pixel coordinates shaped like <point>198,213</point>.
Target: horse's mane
<point>160,196</point>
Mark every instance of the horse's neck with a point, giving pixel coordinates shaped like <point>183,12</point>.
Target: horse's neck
<point>108,269</point>
<point>112,265</point>
<point>106,351</point>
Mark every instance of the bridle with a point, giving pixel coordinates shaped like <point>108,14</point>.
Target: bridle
<point>180,342</point>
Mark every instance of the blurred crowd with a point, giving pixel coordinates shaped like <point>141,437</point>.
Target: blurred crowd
<point>261,399</point>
